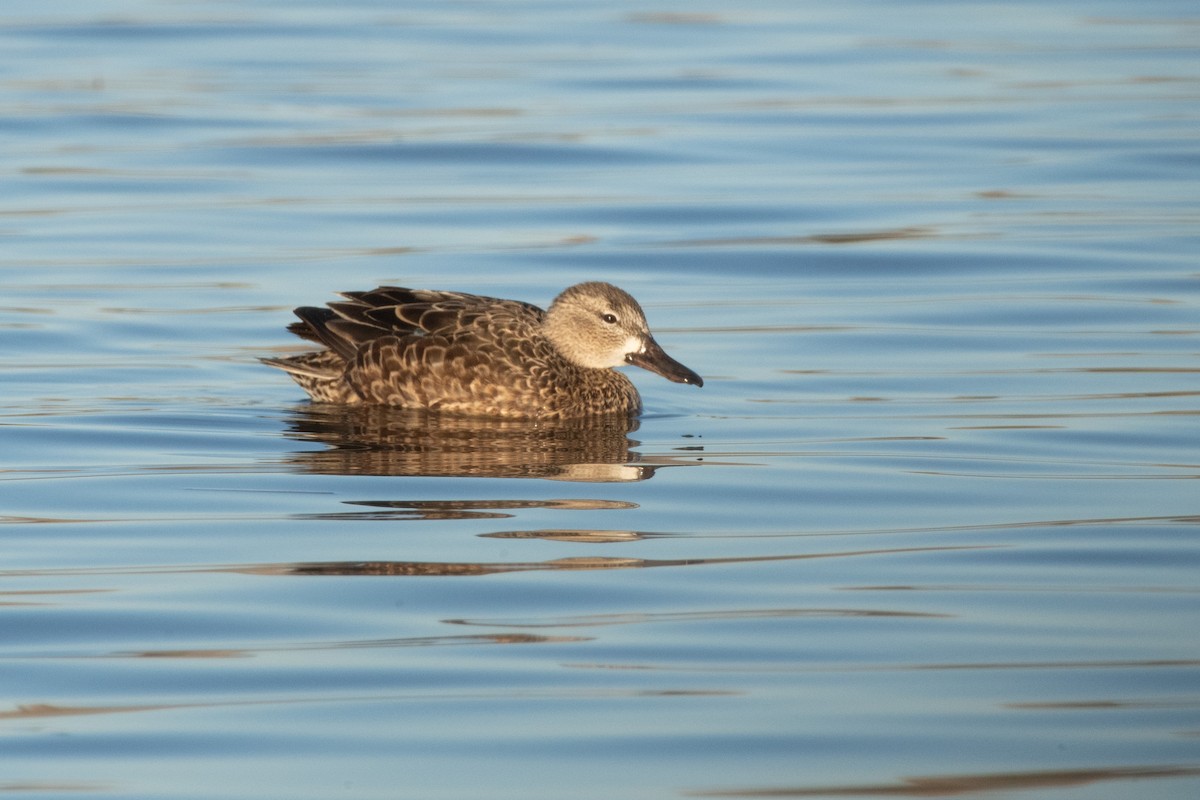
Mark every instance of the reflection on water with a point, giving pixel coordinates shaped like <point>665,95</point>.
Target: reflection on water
<point>472,509</point>
<point>962,785</point>
<point>853,237</point>
<point>602,620</point>
<point>357,644</point>
<point>578,536</point>
<point>426,568</point>
<point>365,440</point>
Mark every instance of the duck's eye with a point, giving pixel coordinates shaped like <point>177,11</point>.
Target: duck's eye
<point>611,319</point>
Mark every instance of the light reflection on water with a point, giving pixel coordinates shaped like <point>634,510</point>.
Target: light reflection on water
<point>376,441</point>
<point>929,529</point>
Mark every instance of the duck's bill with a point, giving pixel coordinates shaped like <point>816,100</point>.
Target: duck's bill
<point>655,359</point>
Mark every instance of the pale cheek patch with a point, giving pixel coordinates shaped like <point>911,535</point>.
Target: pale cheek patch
<point>635,344</point>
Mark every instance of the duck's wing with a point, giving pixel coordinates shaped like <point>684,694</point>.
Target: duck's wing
<point>362,317</point>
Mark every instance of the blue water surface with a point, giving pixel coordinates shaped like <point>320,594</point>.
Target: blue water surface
<point>930,528</point>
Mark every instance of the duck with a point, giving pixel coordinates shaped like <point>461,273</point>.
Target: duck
<point>468,354</point>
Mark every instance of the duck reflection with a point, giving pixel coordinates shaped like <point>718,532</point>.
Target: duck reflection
<point>374,440</point>
<point>581,563</point>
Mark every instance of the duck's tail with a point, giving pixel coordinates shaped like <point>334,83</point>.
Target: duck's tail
<point>320,374</point>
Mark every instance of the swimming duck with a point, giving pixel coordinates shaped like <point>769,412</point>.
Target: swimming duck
<point>482,356</point>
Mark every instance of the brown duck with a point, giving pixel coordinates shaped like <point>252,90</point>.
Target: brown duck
<point>467,354</point>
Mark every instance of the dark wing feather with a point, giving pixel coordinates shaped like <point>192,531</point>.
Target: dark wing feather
<point>404,312</point>
<point>361,317</point>
<point>311,321</point>
<point>325,326</point>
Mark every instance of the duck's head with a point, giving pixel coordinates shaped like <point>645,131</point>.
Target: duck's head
<point>597,325</point>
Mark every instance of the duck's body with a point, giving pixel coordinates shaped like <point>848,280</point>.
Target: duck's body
<point>467,354</point>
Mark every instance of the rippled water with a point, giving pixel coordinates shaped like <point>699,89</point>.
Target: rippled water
<point>929,529</point>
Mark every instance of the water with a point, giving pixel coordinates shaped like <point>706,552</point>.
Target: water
<point>929,529</point>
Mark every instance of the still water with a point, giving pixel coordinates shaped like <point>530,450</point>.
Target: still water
<point>931,527</point>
